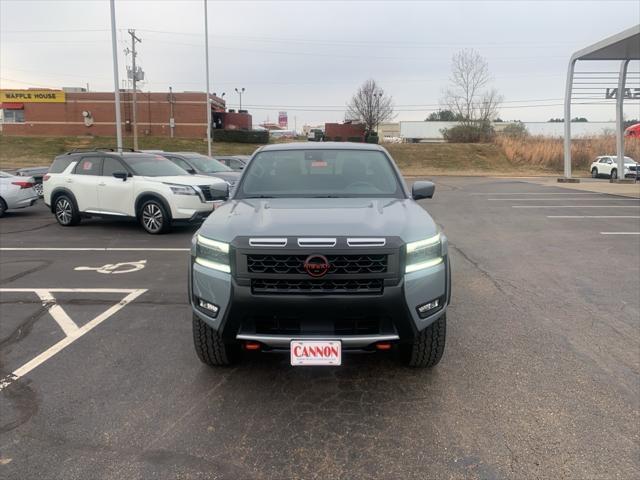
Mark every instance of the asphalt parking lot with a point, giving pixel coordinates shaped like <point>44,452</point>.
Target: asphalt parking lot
<point>540,377</point>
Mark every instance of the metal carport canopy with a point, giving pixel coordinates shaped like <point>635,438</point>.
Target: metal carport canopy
<point>623,46</point>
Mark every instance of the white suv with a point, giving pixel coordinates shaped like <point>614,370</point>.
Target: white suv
<point>607,165</point>
<point>142,186</point>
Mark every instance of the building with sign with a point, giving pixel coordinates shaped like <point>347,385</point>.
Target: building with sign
<point>283,120</point>
<point>71,112</point>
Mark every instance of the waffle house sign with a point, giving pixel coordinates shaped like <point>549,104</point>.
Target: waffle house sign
<point>32,96</point>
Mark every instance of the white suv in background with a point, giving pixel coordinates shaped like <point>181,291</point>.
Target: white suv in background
<point>143,186</point>
<point>607,165</point>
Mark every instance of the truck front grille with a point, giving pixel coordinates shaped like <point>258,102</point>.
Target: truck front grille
<point>294,264</point>
<point>328,286</point>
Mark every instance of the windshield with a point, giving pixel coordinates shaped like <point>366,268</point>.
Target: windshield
<point>320,173</point>
<point>207,164</point>
<point>153,166</point>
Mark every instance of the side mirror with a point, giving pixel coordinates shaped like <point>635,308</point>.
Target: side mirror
<point>220,192</point>
<point>422,189</point>
<point>121,175</point>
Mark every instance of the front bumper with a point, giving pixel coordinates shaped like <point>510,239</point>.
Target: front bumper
<point>188,207</point>
<point>196,218</point>
<point>396,307</point>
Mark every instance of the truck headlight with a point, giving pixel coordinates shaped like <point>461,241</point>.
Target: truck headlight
<point>212,254</point>
<point>424,254</point>
<point>181,189</point>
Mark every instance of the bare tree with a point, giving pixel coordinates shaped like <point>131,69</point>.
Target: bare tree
<point>466,97</point>
<point>489,105</point>
<point>370,105</point>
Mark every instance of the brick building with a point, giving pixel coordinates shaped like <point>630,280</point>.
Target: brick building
<point>73,113</point>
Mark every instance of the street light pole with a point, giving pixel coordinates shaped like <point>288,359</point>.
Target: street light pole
<point>206,52</point>
<point>116,91</point>
<point>240,92</point>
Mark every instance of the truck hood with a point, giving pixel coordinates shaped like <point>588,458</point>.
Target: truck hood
<point>321,217</point>
<point>187,180</point>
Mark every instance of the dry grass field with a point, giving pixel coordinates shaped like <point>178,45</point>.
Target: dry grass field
<point>30,151</point>
<point>548,153</point>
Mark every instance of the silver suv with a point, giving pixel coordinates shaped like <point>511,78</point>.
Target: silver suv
<point>320,250</point>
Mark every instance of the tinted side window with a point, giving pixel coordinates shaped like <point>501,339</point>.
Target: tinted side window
<point>89,166</point>
<point>110,166</point>
<point>181,163</point>
<point>61,163</point>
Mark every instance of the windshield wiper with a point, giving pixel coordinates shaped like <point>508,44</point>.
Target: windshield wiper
<point>326,196</point>
<point>259,196</point>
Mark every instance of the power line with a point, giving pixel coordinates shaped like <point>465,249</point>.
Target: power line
<point>289,40</point>
<point>368,43</point>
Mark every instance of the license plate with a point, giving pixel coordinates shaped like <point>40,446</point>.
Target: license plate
<point>316,352</point>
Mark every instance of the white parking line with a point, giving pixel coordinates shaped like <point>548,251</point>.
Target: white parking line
<point>91,249</point>
<point>75,334</point>
<point>59,315</point>
<point>575,199</point>
<point>575,206</point>
<point>593,216</point>
<point>619,233</point>
<point>538,193</point>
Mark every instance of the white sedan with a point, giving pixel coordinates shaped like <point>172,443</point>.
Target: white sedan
<point>16,192</point>
<point>607,166</point>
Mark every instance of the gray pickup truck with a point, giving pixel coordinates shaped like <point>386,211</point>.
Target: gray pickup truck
<point>321,250</point>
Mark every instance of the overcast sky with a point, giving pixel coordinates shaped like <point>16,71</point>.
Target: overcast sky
<point>308,57</point>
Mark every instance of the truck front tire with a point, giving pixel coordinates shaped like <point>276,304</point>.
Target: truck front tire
<point>428,346</point>
<point>210,348</point>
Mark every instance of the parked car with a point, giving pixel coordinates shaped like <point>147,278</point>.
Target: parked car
<point>16,192</point>
<point>198,164</point>
<point>234,162</point>
<point>607,166</point>
<point>37,173</point>
<point>142,186</point>
<point>320,250</point>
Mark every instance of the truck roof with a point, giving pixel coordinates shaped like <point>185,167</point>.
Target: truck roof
<point>322,146</point>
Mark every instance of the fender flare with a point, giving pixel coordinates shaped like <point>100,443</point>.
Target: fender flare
<point>155,196</point>
<point>62,190</point>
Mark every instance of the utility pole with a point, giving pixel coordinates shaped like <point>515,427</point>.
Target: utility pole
<point>116,81</point>
<point>172,122</point>
<point>206,53</point>
<point>134,40</point>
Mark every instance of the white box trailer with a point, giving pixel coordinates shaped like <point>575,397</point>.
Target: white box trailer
<point>418,131</point>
